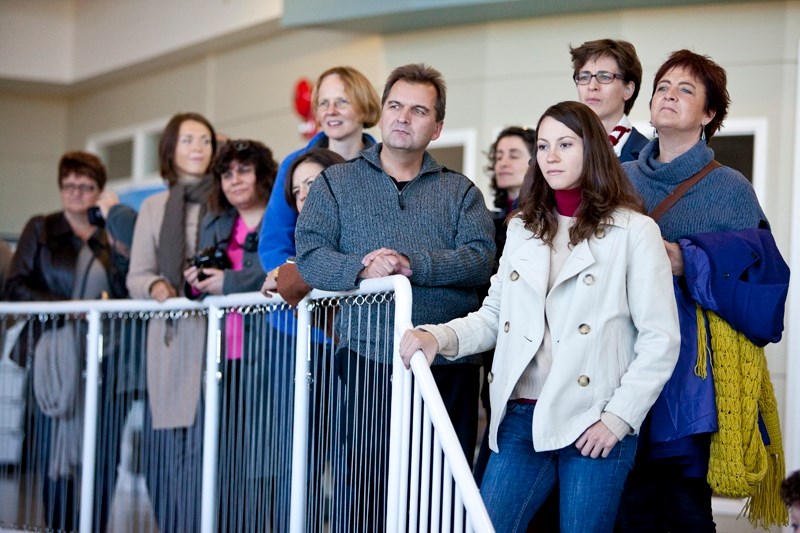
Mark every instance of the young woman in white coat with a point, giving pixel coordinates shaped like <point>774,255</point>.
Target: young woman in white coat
<point>584,324</point>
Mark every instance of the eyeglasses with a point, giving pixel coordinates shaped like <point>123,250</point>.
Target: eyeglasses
<point>338,103</point>
<point>585,78</point>
<point>83,188</point>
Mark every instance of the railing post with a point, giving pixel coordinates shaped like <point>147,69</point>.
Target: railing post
<point>297,515</point>
<point>211,420</point>
<point>401,387</point>
<point>94,350</point>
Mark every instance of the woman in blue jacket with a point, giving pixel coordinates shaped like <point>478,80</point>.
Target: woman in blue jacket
<point>345,103</point>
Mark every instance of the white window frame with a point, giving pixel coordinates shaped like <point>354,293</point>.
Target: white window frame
<point>138,135</point>
<point>465,138</point>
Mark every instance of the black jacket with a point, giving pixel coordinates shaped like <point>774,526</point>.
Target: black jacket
<point>43,268</point>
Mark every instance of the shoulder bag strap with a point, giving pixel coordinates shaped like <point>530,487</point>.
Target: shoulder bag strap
<point>681,189</point>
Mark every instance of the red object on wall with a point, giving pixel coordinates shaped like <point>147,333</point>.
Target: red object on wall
<point>302,106</point>
<point>302,98</point>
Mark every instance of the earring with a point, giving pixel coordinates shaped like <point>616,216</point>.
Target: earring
<point>702,132</point>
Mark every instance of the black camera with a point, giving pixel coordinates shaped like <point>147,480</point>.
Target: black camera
<point>212,257</point>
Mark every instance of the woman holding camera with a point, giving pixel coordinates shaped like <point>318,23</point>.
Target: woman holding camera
<point>244,172</point>
<point>61,256</point>
<point>165,236</point>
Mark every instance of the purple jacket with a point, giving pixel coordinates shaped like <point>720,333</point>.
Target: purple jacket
<point>742,277</point>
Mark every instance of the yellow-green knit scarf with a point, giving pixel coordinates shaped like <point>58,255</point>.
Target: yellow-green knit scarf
<point>741,465</point>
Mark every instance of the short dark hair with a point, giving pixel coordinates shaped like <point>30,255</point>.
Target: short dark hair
<point>321,156</point>
<point>83,164</point>
<point>604,185</point>
<point>243,151</point>
<point>623,52</point>
<point>528,136</point>
<point>790,489</point>
<point>362,94</point>
<point>419,73</point>
<point>713,77</point>
<point>169,140</point>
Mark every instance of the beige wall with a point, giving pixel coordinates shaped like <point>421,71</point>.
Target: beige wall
<point>33,133</point>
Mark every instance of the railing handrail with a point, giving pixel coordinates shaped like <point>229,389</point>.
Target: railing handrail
<point>425,383</point>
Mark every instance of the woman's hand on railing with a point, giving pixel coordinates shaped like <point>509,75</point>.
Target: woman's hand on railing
<point>416,339</point>
<point>161,290</point>
<point>270,285</point>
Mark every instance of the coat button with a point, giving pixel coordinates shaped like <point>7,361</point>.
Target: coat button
<point>600,233</point>
<point>588,279</point>
<point>584,329</point>
<point>583,380</point>
<point>506,327</point>
<point>248,263</point>
<point>489,377</point>
<point>514,276</point>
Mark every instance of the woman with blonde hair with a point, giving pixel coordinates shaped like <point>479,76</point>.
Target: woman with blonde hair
<point>345,104</point>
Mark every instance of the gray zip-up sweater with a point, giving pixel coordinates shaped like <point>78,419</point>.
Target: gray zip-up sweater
<point>439,221</point>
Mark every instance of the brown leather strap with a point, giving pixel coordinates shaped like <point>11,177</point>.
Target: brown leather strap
<point>681,189</point>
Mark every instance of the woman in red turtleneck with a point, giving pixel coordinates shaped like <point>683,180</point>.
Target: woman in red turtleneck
<point>583,320</point>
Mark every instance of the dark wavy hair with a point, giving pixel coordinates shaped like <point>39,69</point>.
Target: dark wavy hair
<point>243,151</point>
<point>321,156</point>
<point>169,140</point>
<point>790,489</point>
<point>82,164</point>
<point>604,185</point>
<point>713,78</point>
<point>528,136</point>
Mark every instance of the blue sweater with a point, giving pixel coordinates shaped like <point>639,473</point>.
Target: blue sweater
<point>439,221</point>
<point>723,201</point>
<point>276,241</point>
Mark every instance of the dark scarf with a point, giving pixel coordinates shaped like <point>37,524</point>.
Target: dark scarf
<point>171,253</point>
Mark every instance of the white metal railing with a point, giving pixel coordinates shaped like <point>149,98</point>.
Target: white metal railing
<point>429,483</point>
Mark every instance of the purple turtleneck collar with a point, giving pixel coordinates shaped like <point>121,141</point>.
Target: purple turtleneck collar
<point>567,201</point>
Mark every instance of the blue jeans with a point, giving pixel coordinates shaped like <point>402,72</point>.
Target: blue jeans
<point>519,479</point>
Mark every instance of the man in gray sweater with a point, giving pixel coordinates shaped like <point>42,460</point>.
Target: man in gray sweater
<point>395,210</point>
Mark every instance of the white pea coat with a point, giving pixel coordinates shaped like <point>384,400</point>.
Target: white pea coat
<point>613,322</point>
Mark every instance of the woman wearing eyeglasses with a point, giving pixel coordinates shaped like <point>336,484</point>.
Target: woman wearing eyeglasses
<point>345,103</point>
<point>244,172</point>
<point>61,256</point>
<point>608,76</point>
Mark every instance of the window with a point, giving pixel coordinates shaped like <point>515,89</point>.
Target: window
<point>455,149</point>
<point>130,154</point>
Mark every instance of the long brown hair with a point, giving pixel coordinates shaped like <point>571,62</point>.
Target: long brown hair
<point>169,139</point>
<point>604,185</point>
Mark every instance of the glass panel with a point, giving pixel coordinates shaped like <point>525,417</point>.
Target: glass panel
<point>118,158</point>
<point>451,156</point>
<point>150,166</point>
<point>735,151</point>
